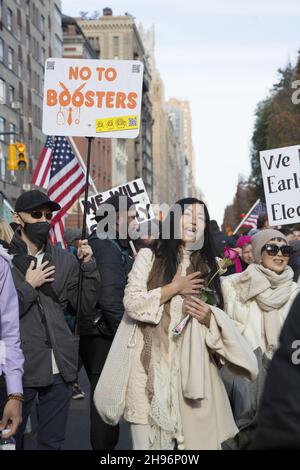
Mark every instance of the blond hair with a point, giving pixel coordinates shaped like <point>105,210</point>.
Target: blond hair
<point>6,232</point>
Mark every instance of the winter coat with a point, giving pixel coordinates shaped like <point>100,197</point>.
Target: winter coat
<point>114,263</point>
<point>278,422</point>
<point>42,324</point>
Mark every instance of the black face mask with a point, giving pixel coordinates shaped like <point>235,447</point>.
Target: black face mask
<point>37,233</point>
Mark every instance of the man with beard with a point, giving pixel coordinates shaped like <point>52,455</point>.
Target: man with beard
<point>111,248</point>
<point>46,280</point>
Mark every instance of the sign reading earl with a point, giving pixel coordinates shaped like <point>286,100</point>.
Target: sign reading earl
<point>92,98</point>
<point>134,189</point>
<point>281,176</point>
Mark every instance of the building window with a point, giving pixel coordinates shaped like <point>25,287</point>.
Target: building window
<point>2,91</point>
<point>42,24</point>
<point>2,128</point>
<point>27,43</point>
<point>11,93</point>
<point>28,73</point>
<point>10,58</point>
<point>37,85</point>
<point>58,46</point>
<point>20,69</point>
<point>116,41</point>
<point>43,55</point>
<point>36,17</point>
<point>33,14</point>
<point>19,32</point>
<point>1,9</point>
<point>9,19</point>
<point>27,7</point>
<point>12,128</point>
<point>21,92</point>
<point>1,50</point>
<point>57,14</point>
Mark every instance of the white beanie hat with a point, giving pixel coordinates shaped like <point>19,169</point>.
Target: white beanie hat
<point>263,237</point>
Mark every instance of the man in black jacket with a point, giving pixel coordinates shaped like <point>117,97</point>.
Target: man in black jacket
<point>97,329</point>
<point>278,423</point>
<point>46,280</point>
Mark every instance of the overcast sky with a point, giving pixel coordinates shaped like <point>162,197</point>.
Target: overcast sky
<point>223,56</point>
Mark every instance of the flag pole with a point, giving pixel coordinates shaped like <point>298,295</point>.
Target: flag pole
<point>83,235</point>
<point>81,161</point>
<point>246,216</point>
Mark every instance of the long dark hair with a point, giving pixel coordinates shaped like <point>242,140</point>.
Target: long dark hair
<point>168,250</point>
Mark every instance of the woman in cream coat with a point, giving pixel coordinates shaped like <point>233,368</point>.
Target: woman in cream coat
<point>258,300</point>
<point>168,386</point>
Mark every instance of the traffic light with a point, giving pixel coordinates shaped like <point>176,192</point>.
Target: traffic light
<point>12,163</point>
<point>22,161</point>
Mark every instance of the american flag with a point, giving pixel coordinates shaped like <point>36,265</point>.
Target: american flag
<point>59,172</point>
<point>251,221</point>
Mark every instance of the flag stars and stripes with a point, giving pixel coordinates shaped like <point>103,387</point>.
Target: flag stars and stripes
<point>59,172</point>
<point>251,221</point>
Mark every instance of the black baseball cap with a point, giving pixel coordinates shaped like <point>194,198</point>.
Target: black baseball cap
<point>34,199</point>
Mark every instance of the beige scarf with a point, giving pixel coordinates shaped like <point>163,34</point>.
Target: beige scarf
<point>156,339</point>
<point>192,360</point>
<point>271,291</point>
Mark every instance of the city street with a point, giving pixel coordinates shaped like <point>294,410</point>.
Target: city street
<point>77,436</point>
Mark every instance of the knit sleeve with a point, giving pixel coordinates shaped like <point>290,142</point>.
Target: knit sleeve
<point>232,306</point>
<point>229,296</point>
<point>140,304</point>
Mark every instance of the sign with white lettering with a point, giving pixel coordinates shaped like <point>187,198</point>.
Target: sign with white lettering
<point>281,177</point>
<point>134,189</point>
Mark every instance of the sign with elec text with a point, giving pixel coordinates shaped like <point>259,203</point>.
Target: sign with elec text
<point>281,177</point>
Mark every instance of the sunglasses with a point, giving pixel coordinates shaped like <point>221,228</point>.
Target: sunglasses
<point>39,214</point>
<point>273,250</point>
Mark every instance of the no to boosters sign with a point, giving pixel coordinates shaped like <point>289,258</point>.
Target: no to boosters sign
<point>92,98</point>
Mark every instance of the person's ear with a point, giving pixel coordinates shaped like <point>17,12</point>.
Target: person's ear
<point>17,218</point>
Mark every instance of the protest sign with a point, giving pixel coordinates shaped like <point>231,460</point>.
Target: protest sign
<point>134,189</point>
<point>92,98</point>
<point>281,177</point>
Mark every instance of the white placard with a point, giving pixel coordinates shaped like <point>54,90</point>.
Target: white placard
<point>134,189</point>
<point>92,98</point>
<point>281,177</point>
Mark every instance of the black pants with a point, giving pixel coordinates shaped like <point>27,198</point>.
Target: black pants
<point>93,351</point>
<point>53,408</point>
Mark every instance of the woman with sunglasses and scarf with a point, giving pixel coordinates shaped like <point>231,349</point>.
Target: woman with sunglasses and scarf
<point>168,386</point>
<point>258,300</point>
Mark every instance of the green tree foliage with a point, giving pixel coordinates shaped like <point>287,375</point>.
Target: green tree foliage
<point>277,122</point>
<point>243,200</point>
